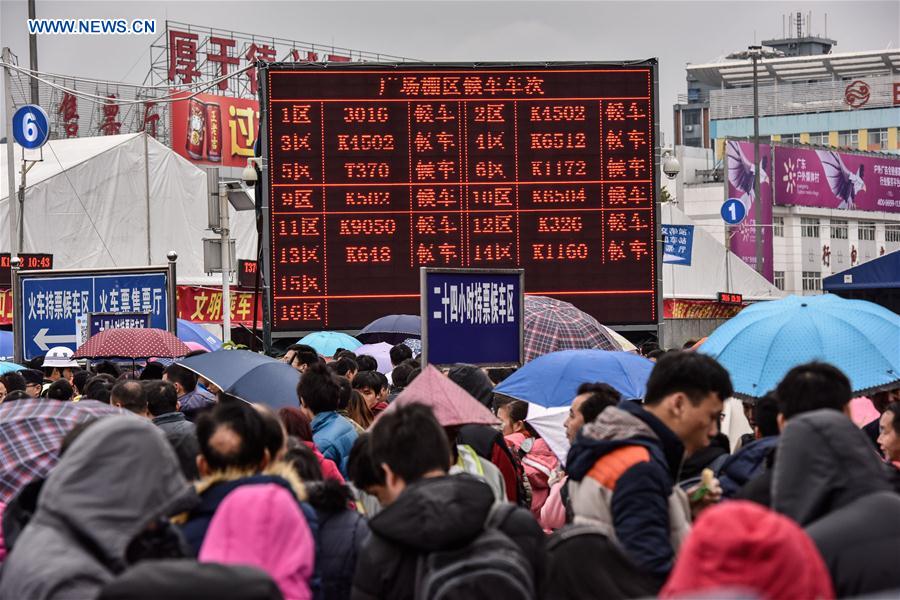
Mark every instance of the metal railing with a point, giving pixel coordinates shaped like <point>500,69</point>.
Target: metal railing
<point>799,97</point>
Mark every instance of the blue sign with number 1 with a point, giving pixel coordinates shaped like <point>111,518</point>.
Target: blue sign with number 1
<point>733,211</point>
<point>31,127</point>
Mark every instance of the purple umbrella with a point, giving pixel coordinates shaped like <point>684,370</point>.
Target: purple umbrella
<point>381,352</point>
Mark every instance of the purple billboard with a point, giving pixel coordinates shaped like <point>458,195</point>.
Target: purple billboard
<point>839,180</point>
<point>741,170</point>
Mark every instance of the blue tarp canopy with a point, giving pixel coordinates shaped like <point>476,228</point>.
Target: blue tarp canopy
<point>880,273</point>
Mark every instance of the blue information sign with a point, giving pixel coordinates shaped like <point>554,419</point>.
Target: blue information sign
<point>130,320</point>
<point>31,127</point>
<point>49,303</point>
<point>472,316</point>
<point>678,242</point>
<point>733,211</point>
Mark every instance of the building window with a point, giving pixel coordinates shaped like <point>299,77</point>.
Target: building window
<point>819,138</point>
<point>779,279</point>
<point>691,117</point>
<point>892,233</point>
<point>838,229</point>
<point>877,139</point>
<point>812,281</point>
<point>809,228</point>
<point>848,139</point>
<point>778,226</point>
<point>791,138</point>
<point>866,231</point>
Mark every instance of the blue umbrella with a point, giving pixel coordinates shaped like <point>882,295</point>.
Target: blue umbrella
<point>9,367</point>
<point>327,343</point>
<point>391,329</point>
<point>192,332</point>
<point>250,376</point>
<point>765,340</point>
<point>6,344</point>
<point>553,379</point>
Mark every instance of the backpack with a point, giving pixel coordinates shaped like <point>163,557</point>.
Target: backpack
<point>490,567</point>
<point>573,555</point>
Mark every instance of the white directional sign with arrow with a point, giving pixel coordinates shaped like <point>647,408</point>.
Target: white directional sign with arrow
<point>45,341</point>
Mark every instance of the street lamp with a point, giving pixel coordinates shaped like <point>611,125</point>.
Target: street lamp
<point>755,53</point>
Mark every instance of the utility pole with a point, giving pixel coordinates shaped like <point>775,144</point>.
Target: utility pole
<point>11,199</point>
<point>32,57</point>
<point>225,233</point>
<point>755,53</point>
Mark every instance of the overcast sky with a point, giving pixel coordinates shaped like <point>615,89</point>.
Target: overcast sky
<point>674,32</point>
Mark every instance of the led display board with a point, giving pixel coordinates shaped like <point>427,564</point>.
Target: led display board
<point>374,171</point>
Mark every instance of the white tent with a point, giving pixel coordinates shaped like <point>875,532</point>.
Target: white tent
<point>713,269</point>
<point>87,202</point>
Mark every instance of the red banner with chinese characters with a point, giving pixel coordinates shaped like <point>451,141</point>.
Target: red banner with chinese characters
<point>215,130</point>
<point>204,305</point>
<point>698,309</point>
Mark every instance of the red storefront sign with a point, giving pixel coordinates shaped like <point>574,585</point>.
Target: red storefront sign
<point>215,130</point>
<point>674,308</point>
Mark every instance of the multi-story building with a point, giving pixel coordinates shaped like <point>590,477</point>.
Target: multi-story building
<point>809,96</point>
<point>848,101</point>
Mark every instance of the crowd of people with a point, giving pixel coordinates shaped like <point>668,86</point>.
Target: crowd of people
<point>370,486</point>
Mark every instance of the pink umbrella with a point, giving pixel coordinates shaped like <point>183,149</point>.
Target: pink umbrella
<point>451,404</point>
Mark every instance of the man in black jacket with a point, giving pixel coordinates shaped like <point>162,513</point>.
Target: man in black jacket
<point>426,510</point>
<point>162,401</point>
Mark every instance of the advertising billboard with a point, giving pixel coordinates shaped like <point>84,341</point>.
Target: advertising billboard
<point>740,185</point>
<point>826,178</point>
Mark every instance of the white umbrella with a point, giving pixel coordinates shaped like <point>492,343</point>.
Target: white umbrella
<point>550,425</point>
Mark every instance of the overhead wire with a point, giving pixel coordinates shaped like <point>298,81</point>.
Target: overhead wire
<point>104,100</point>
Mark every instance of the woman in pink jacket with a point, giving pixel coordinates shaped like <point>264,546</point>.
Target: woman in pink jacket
<point>262,526</point>
<point>540,464</point>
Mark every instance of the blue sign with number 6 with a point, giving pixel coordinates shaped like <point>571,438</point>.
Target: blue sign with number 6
<point>31,127</point>
<point>733,211</point>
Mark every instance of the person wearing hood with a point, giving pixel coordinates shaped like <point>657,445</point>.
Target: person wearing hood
<point>102,508</point>
<point>829,481</point>
<point>261,525</point>
<point>743,547</point>
<point>486,441</point>
<point>623,466</point>
<point>805,388</point>
<point>426,511</point>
